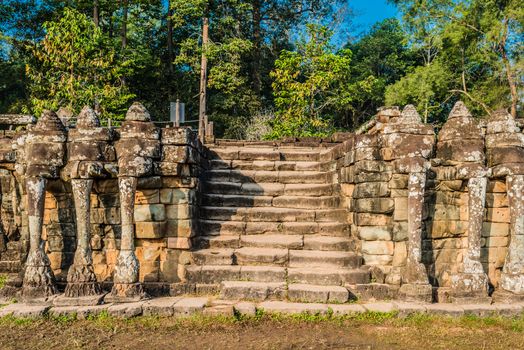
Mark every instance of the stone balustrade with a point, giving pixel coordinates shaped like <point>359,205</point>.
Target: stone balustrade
<point>435,216</point>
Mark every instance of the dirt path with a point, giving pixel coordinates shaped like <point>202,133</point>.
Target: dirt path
<point>168,333</point>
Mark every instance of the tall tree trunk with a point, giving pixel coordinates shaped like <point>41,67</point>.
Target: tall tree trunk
<point>96,12</point>
<point>509,71</point>
<point>203,77</point>
<point>170,55</point>
<point>124,23</point>
<point>110,24</point>
<point>257,46</point>
<point>123,32</point>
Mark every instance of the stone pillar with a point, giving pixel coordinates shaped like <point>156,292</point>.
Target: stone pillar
<point>89,153</point>
<point>81,278</point>
<point>415,285</point>
<point>472,282</point>
<point>512,278</point>
<point>126,285</point>
<point>461,157</point>
<point>505,144</point>
<point>139,144</point>
<point>39,280</point>
<point>45,151</point>
<point>408,144</point>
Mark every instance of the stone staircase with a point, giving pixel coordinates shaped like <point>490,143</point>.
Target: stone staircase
<point>272,227</point>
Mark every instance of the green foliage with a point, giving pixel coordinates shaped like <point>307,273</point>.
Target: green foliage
<point>231,101</point>
<point>310,84</point>
<point>76,66</point>
<point>476,44</point>
<point>423,87</point>
<point>3,280</point>
<point>384,54</point>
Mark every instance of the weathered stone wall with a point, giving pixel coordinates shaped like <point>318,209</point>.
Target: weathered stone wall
<point>164,213</point>
<point>375,170</point>
<point>425,208</point>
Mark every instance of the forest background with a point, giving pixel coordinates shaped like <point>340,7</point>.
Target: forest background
<point>273,68</point>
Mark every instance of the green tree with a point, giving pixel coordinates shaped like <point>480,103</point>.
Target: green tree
<point>231,99</point>
<point>75,66</point>
<point>311,85</point>
<point>384,54</point>
<point>478,42</point>
<point>424,87</point>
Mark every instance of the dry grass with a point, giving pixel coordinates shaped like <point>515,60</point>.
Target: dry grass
<point>364,331</point>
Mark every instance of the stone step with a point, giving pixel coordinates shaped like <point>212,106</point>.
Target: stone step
<point>319,242</point>
<point>221,227</point>
<point>317,294</point>
<point>328,276</point>
<point>262,176</point>
<point>272,214</point>
<point>279,240</point>
<point>272,241</point>
<point>275,257</point>
<point>269,189</point>
<point>294,202</point>
<point>261,256</point>
<point>258,291</point>
<point>235,228</point>
<point>214,274</point>
<point>317,258</point>
<point>270,165</point>
<point>204,242</point>
<point>222,256</point>
<point>264,153</point>
<point>227,200</point>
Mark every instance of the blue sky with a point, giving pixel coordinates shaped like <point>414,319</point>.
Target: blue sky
<point>368,12</point>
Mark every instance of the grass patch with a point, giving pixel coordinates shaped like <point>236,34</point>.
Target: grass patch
<point>3,281</point>
<point>11,320</point>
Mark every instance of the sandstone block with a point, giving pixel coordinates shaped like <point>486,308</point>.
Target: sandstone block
<point>188,306</point>
<point>179,212</point>
<point>501,215</point>
<point>322,294</point>
<point>147,197</point>
<point>149,230</point>
<point>399,181</point>
<point>378,247</point>
<point>375,233</point>
<point>149,212</point>
<point>127,310</point>
<point>495,229</point>
<point>281,307</point>
<point>401,209</point>
<point>373,189</point>
<point>400,254</point>
<point>370,219</point>
<point>375,205</point>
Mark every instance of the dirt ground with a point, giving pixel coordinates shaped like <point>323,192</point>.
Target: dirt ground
<point>265,333</point>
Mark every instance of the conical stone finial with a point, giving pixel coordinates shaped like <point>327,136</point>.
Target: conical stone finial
<point>501,114</point>
<point>409,113</point>
<point>138,112</point>
<point>87,119</point>
<point>459,110</point>
<point>49,121</point>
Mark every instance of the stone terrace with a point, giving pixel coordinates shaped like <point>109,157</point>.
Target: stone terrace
<point>392,211</point>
